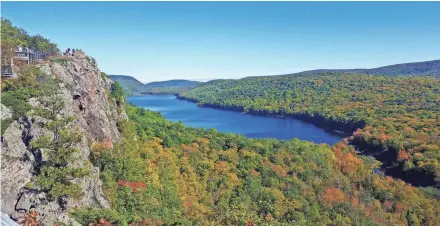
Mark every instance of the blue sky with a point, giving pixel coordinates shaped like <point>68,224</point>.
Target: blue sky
<point>156,41</point>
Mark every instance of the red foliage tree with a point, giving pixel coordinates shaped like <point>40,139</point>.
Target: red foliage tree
<point>30,219</point>
<point>135,186</point>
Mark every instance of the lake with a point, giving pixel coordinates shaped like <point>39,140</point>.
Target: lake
<point>251,126</point>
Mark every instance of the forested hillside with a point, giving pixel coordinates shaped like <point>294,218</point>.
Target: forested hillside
<point>131,85</point>
<point>13,36</point>
<point>426,68</point>
<point>172,83</point>
<point>164,173</point>
<point>395,119</point>
<point>170,87</point>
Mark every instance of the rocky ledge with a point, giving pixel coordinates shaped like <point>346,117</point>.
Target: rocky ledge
<point>86,96</point>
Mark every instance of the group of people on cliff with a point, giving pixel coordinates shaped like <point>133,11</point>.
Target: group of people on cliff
<point>69,53</point>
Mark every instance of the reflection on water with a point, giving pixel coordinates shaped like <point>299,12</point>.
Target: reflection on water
<point>233,122</point>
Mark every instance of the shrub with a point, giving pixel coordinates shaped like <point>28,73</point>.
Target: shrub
<point>59,59</point>
<point>17,100</point>
<point>101,146</point>
<point>30,218</point>
<point>5,124</point>
<point>104,75</point>
<point>85,216</point>
<point>117,91</point>
<point>91,60</point>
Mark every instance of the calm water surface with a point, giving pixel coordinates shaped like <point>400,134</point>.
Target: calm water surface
<point>233,122</point>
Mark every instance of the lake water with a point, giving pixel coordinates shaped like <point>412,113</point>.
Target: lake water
<point>233,122</point>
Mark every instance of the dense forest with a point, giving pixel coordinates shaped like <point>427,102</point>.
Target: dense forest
<point>166,173</point>
<point>426,68</point>
<point>170,87</point>
<point>22,88</point>
<point>13,36</point>
<point>173,83</point>
<point>396,119</point>
<point>133,87</point>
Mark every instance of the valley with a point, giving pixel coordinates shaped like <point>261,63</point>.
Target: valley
<point>251,126</point>
<point>389,117</point>
<point>80,146</point>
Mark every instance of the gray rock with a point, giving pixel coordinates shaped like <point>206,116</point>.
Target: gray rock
<point>25,201</point>
<point>6,113</point>
<point>16,170</point>
<point>86,96</point>
<point>83,91</point>
<point>13,146</point>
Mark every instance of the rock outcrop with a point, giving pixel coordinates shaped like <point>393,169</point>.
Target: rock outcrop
<point>86,96</point>
<point>5,112</point>
<point>85,91</point>
<point>16,167</point>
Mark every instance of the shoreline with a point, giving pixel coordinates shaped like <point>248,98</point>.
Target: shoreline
<point>320,122</point>
<point>390,167</point>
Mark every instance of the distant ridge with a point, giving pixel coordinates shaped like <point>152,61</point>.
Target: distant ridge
<point>133,87</point>
<point>173,87</point>
<point>173,83</point>
<point>425,68</point>
<point>125,78</point>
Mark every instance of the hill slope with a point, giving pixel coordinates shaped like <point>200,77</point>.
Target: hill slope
<point>131,85</point>
<point>170,87</point>
<point>173,83</point>
<point>426,68</point>
<point>396,117</point>
<point>178,175</point>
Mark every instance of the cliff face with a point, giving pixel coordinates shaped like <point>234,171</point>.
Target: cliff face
<point>86,97</point>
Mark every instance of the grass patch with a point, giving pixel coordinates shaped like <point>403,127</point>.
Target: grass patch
<point>60,59</point>
<point>5,124</point>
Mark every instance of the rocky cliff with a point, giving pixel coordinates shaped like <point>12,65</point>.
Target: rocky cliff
<point>86,96</point>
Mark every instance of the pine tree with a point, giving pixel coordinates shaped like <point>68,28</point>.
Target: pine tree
<point>56,173</point>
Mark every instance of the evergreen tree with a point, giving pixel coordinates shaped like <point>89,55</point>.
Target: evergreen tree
<point>56,172</point>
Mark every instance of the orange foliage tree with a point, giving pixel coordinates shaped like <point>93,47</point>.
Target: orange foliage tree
<point>332,196</point>
<point>30,219</point>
